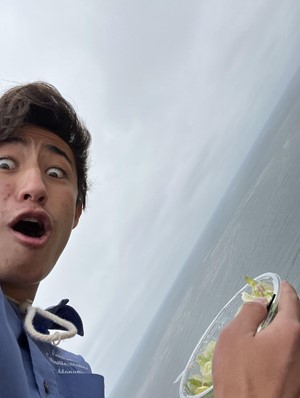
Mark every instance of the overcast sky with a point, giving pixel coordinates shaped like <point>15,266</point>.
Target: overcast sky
<point>174,93</point>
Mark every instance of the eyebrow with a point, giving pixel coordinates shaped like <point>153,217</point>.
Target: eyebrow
<point>12,139</point>
<point>58,151</point>
<point>50,147</point>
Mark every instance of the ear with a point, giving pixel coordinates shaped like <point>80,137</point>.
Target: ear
<point>78,211</point>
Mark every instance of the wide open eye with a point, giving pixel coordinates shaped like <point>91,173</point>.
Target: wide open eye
<point>7,164</point>
<point>56,172</point>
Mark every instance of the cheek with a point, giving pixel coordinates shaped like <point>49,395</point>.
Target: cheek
<point>68,214</point>
<point>5,191</point>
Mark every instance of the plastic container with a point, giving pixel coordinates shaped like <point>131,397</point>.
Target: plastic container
<point>227,313</point>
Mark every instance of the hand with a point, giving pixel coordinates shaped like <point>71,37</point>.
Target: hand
<point>266,364</point>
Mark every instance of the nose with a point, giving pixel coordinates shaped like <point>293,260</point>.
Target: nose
<point>32,187</point>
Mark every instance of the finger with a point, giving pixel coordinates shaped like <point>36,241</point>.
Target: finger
<point>250,316</point>
<point>289,305</point>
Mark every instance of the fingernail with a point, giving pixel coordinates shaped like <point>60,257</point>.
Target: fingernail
<point>262,300</point>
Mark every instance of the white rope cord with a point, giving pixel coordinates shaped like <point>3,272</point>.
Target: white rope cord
<point>55,337</point>
<point>26,308</point>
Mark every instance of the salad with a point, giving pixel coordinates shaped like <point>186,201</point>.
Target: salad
<point>259,289</point>
<point>201,381</point>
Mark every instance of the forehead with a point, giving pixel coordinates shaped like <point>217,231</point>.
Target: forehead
<point>42,139</point>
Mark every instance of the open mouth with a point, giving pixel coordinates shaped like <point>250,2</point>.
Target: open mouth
<point>30,227</point>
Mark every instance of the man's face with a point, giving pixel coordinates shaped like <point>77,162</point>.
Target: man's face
<point>38,207</point>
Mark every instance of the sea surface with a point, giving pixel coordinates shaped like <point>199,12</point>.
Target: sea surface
<point>255,229</point>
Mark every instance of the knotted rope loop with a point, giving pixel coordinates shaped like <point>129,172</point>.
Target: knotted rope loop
<point>55,337</point>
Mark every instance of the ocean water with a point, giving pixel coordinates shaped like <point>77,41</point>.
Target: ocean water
<point>255,229</point>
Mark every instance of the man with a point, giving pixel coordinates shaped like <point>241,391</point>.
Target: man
<point>43,184</point>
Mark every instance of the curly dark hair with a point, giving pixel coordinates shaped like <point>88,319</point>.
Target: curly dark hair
<point>41,104</point>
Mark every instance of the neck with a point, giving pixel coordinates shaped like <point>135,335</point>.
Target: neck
<point>19,295</point>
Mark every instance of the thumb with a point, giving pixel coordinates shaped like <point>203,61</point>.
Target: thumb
<point>250,316</point>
